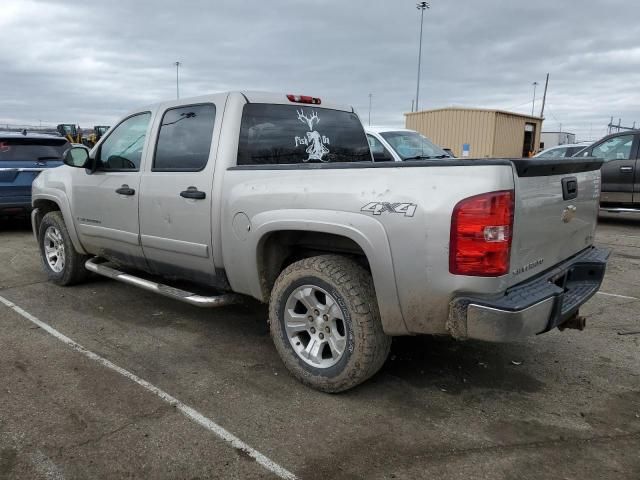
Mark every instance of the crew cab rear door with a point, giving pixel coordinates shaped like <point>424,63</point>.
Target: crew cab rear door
<point>175,204</point>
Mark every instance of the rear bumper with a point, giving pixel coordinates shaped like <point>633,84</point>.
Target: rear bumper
<point>534,306</point>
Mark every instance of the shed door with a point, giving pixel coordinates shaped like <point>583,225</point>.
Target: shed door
<point>528,148</point>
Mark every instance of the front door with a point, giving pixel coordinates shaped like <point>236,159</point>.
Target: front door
<point>105,202</point>
<point>619,168</point>
<point>175,207</point>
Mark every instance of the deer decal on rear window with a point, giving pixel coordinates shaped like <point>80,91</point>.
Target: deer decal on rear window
<point>316,143</point>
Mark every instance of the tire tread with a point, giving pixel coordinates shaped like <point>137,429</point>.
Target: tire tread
<point>356,285</point>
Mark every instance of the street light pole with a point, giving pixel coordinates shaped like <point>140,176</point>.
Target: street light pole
<point>533,105</point>
<point>370,96</point>
<point>177,64</point>
<point>422,6</point>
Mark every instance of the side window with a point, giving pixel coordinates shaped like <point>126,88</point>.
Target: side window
<point>549,153</point>
<point>571,151</point>
<point>616,148</point>
<point>184,139</point>
<point>122,150</point>
<point>380,154</point>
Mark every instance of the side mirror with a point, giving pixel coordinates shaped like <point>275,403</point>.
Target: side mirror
<point>77,157</point>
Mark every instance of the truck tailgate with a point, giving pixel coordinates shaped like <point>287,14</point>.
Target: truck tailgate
<point>556,212</point>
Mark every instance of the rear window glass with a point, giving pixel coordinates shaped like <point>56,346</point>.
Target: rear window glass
<point>32,149</point>
<point>289,134</point>
<point>184,140</point>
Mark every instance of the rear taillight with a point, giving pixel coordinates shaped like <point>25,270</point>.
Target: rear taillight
<point>481,230</point>
<point>304,99</point>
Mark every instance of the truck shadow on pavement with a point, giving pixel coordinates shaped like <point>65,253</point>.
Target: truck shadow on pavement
<point>15,224</point>
<point>422,362</point>
<point>620,219</point>
<point>455,367</point>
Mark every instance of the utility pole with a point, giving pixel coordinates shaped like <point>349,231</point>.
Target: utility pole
<point>177,64</point>
<point>544,97</point>
<point>370,97</point>
<point>619,127</point>
<point>533,105</point>
<point>422,6</point>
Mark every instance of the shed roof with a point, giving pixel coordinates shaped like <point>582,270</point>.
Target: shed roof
<point>488,110</point>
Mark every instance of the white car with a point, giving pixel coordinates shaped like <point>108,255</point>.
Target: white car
<point>401,144</point>
<point>563,151</point>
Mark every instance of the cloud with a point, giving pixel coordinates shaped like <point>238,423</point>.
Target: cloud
<point>93,61</point>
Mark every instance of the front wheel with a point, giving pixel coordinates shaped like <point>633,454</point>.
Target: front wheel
<point>63,265</point>
<point>325,323</point>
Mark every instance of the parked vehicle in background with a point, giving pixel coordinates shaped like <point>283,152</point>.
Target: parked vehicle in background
<point>276,197</point>
<point>400,144</point>
<point>563,151</point>
<point>620,191</point>
<point>449,152</point>
<point>22,157</point>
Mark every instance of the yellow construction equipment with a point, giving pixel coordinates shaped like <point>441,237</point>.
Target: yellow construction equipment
<point>70,131</point>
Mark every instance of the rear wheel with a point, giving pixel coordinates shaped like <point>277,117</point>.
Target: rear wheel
<point>325,323</point>
<point>63,265</point>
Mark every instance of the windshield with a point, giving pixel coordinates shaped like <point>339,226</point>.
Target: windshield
<point>32,149</point>
<point>411,145</point>
<point>553,153</point>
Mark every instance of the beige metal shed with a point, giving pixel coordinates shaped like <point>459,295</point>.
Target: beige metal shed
<point>478,133</point>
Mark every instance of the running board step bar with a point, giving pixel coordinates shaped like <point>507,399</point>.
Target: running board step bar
<point>98,265</point>
<point>620,210</point>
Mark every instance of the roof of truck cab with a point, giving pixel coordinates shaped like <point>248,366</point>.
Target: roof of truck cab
<point>251,97</point>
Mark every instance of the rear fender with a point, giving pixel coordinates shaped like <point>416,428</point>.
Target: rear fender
<point>367,232</point>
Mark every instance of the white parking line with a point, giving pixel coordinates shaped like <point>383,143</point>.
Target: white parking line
<point>189,412</point>
<point>617,296</point>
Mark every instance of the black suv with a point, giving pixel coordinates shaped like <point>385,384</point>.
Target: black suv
<point>620,171</point>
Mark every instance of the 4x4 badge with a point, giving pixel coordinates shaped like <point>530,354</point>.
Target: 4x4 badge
<point>377,208</point>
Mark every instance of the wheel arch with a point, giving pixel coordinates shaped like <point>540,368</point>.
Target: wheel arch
<point>281,237</point>
<point>45,203</point>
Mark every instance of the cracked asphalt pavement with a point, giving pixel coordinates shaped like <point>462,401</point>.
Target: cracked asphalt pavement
<point>564,405</point>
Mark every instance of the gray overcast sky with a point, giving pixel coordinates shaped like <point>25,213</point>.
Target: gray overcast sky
<point>89,62</point>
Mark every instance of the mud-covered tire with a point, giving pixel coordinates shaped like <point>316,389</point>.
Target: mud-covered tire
<point>351,286</point>
<point>72,270</point>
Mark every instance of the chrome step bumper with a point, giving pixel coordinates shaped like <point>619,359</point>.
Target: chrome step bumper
<point>97,265</point>
<point>534,306</point>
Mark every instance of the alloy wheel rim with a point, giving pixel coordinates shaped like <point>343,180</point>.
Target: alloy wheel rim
<point>315,326</point>
<point>54,249</point>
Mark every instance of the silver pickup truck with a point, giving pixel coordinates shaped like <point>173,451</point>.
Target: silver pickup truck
<point>277,197</point>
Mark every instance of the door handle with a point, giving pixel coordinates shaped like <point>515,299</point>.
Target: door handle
<point>125,190</point>
<point>193,192</point>
<point>626,169</point>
